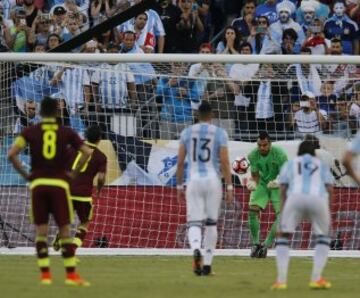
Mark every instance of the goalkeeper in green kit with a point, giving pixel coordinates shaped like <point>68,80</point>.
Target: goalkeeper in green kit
<point>265,164</point>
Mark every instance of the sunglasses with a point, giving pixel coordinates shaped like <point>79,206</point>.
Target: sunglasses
<point>262,23</point>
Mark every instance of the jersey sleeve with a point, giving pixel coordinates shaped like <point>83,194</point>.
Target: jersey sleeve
<point>327,176</point>
<point>284,173</point>
<point>183,137</point>
<point>223,138</point>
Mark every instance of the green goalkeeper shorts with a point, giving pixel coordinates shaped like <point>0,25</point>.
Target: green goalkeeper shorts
<point>262,195</point>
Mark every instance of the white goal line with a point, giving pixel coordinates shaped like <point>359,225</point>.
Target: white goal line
<point>30,251</point>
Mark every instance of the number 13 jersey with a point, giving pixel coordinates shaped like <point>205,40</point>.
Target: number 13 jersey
<point>203,142</point>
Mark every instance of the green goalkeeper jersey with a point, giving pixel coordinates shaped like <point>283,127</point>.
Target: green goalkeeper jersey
<point>267,166</point>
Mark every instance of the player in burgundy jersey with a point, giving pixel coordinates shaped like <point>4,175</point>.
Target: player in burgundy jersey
<point>81,187</point>
<point>50,192</point>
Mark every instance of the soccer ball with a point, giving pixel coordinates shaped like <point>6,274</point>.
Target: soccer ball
<point>240,165</point>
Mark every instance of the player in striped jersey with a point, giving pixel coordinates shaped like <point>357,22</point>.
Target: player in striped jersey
<point>306,186</point>
<point>116,84</point>
<point>205,148</point>
<point>75,85</point>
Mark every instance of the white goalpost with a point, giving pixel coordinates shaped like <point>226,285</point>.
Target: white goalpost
<point>142,103</point>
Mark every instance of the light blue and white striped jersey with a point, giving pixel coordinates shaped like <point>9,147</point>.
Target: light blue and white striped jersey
<point>354,146</point>
<point>112,80</point>
<point>306,175</point>
<point>72,86</point>
<point>264,103</point>
<point>202,142</point>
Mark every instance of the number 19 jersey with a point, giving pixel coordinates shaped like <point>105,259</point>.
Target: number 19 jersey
<point>306,175</point>
<point>203,142</point>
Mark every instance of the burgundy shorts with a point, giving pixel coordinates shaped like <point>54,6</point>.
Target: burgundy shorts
<point>83,210</point>
<point>46,200</point>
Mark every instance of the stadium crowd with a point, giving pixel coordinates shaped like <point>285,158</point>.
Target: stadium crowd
<point>246,98</point>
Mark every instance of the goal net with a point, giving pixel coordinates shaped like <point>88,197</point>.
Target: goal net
<point>142,103</point>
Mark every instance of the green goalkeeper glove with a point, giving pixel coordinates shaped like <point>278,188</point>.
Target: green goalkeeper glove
<point>273,184</point>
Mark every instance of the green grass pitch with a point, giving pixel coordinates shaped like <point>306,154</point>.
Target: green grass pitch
<point>158,277</point>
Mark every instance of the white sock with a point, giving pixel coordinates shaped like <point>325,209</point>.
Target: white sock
<point>194,235</point>
<point>210,239</point>
<point>319,260</point>
<point>282,259</point>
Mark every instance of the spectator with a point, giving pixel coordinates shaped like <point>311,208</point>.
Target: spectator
<point>74,12</point>
<point>242,75</point>
<point>354,11</point>
<point>19,37</point>
<point>3,45</point>
<point>341,73</point>
<point>288,42</point>
<point>270,98</point>
<point>260,38</point>
<point>176,94</point>
<point>170,16</point>
<point>74,84</point>
<point>41,27</point>
<point>202,72</point>
<point>114,90</point>
<point>53,41</point>
<point>327,99</point>
<point>341,124</point>
<point>39,47</point>
<point>28,117</point>
<point>188,27</point>
<point>230,43</point>
<point>203,7</point>
<point>58,20</point>
<point>72,29</point>
<point>308,10</point>
<point>285,21</point>
<point>322,10</point>
<point>308,119</point>
<point>245,23</point>
<point>341,26</point>
<point>31,12</point>
<point>269,10</point>
<point>145,76</point>
<point>140,29</point>
<point>307,78</point>
<point>153,26</point>
<point>316,41</point>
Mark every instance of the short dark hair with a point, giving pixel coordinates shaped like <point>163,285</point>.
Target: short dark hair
<point>49,107</point>
<point>204,109</point>
<point>306,147</point>
<point>244,45</point>
<point>290,32</point>
<point>142,13</point>
<point>315,140</point>
<point>93,134</point>
<point>263,135</point>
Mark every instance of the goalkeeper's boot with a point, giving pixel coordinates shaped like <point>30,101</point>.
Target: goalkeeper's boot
<point>45,279</point>
<point>279,286</point>
<point>262,252</point>
<point>320,284</point>
<point>207,271</point>
<point>56,242</point>
<point>197,262</point>
<point>255,251</point>
<point>74,279</point>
